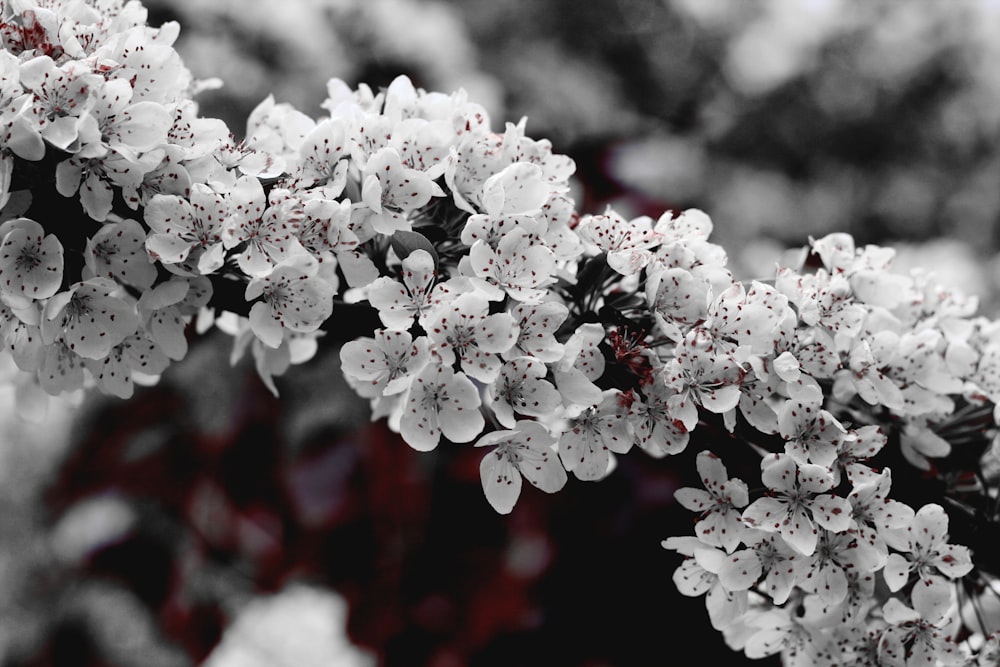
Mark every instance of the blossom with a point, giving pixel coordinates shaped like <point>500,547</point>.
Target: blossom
<point>465,330</point>
<point>292,297</point>
<point>517,266</point>
<point>118,251</point>
<point>181,226</point>
<point>521,387</point>
<point>581,364</point>
<point>699,575</point>
<point>267,230</point>
<point>89,318</point>
<point>916,636</point>
<point>627,243</point>
<point>875,514</point>
<point>924,548</point>
<point>31,261</point>
<point>657,429</point>
<point>812,434</point>
<point>161,310</point>
<point>800,503</point>
<point>391,190</point>
<point>536,325</point>
<point>321,154</point>
<point>587,445</point>
<point>720,523</point>
<point>63,96</point>
<point>388,361</point>
<point>678,300</point>
<point>136,355</point>
<point>700,375</point>
<point>524,451</point>
<point>61,370</point>
<point>440,402</point>
<point>399,302</point>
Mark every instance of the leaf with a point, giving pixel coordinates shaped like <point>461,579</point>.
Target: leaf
<point>405,242</point>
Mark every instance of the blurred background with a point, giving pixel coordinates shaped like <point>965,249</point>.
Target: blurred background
<point>206,522</point>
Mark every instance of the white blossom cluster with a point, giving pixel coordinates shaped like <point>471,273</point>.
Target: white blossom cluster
<point>507,320</point>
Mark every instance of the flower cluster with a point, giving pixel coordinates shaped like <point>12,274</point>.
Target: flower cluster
<point>554,340</point>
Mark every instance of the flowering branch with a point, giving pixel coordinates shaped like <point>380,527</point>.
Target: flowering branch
<point>478,306</point>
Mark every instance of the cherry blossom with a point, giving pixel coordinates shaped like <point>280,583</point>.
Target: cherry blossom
<point>440,402</point>
<point>266,225</point>
<point>388,361</point>
<point>89,318</point>
<point>523,451</point>
<point>699,575</point>
<point>521,387</point>
<point>398,303</point>
<point>924,548</point>
<point>31,261</point>
<point>464,330</point>
<point>568,337</point>
<point>118,251</point>
<point>914,637</point>
<point>181,226</point>
<point>627,243</point>
<point>517,266</point>
<point>391,190</point>
<point>801,503</point>
<point>537,325</point>
<point>720,523</point>
<point>293,298</point>
<point>593,436</point>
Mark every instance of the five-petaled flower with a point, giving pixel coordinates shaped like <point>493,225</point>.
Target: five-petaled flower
<point>526,450</point>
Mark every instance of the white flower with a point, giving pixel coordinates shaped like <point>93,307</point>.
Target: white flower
<point>699,575</point>
<point>699,375</point>
<point>118,251</point>
<point>591,438</point>
<point>627,243</point>
<point>89,318</point>
<point>678,299</point>
<point>387,362</point>
<point>465,330</point>
<point>517,266</point>
<point>31,261</point>
<point>392,190</point>
<point>526,451</point>
<point>61,369</point>
<point>518,189</point>
<point>440,402</point>
<point>180,227</point>
<point>320,160</point>
<point>799,503</point>
<point>916,636</point>
<point>582,364</point>
<point>521,387</point>
<point>537,325</point>
<point>292,297</point>
<point>657,429</point>
<point>127,127</point>
<point>875,514</point>
<point>924,549</point>
<point>63,95</point>
<point>720,523</point>
<point>135,355</point>
<point>398,303</point>
<point>161,310</point>
<point>812,434</point>
<point>267,230</point>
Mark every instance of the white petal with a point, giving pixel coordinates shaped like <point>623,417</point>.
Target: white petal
<point>265,326</point>
<point>501,481</point>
